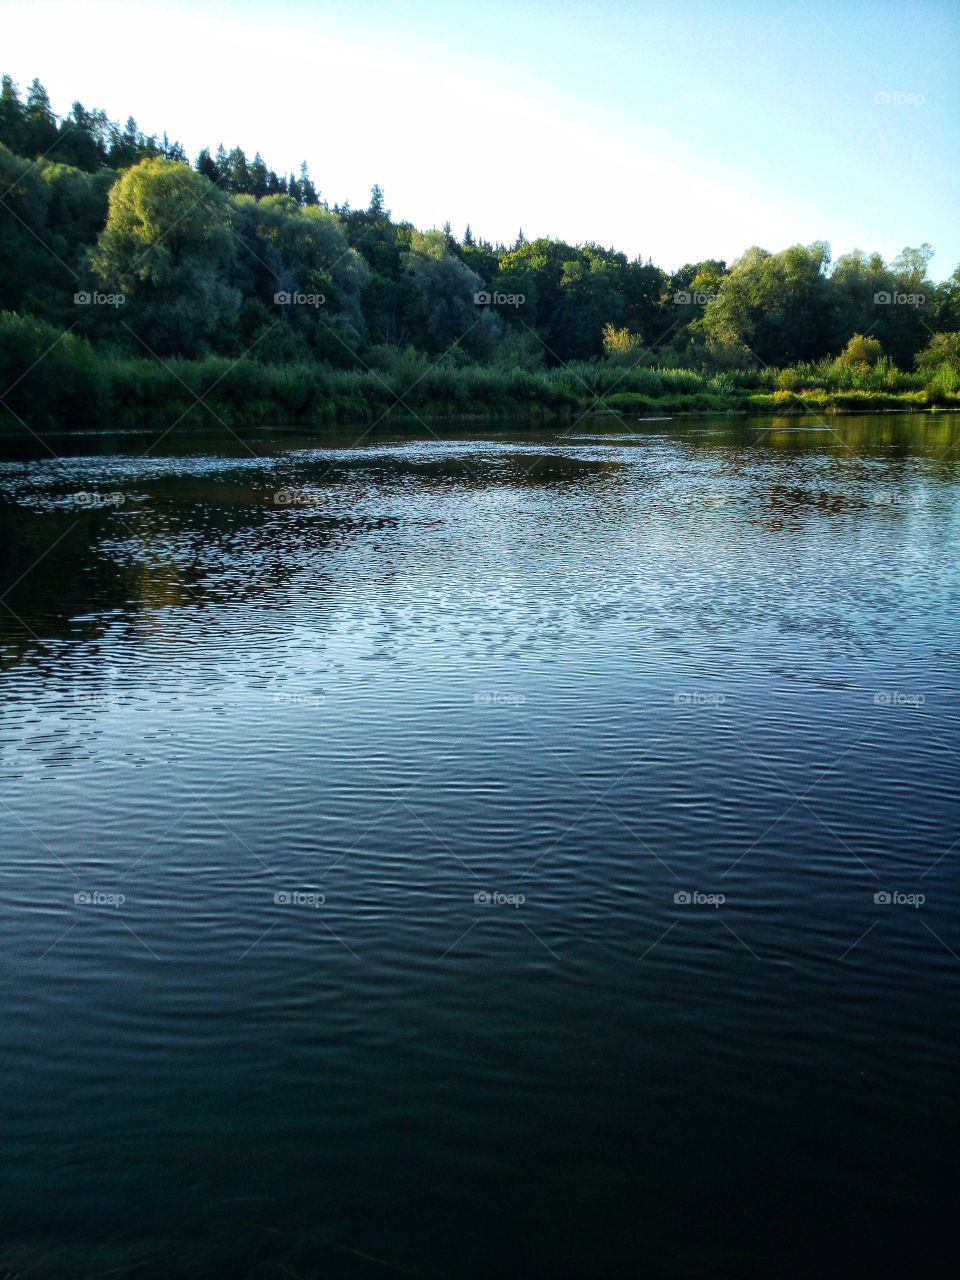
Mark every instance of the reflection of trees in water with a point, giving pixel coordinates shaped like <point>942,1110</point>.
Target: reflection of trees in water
<point>139,559</point>
<point>208,543</point>
<point>221,537</point>
<point>782,505</point>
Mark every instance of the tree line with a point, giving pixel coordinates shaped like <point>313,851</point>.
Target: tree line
<point>226,257</point>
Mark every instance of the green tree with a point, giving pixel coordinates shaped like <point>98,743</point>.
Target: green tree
<point>620,346</point>
<point>235,175</point>
<point>83,139</point>
<point>308,192</point>
<point>438,298</point>
<point>776,305</point>
<point>943,350</point>
<point>29,262</point>
<point>168,247</point>
<point>40,124</point>
<point>286,249</point>
<point>946,308</point>
<point>12,117</point>
<point>856,280</point>
<point>258,175</point>
<point>207,166</point>
<point>860,353</point>
<point>591,295</point>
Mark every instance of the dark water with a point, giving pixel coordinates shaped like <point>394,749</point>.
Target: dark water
<point>284,744</point>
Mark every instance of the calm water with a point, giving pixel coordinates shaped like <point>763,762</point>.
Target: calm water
<point>677,703</point>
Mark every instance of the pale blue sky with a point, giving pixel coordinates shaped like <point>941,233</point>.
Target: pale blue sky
<point>679,130</point>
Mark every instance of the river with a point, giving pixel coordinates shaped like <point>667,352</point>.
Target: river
<point>518,853</point>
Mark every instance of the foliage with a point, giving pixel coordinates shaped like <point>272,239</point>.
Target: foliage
<point>860,353</point>
<point>620,345</point>
<point>943,349</point>
<point>167,248</point>
<point>230,261</point>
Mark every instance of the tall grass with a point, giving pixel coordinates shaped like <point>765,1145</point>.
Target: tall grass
<point>60,380</point>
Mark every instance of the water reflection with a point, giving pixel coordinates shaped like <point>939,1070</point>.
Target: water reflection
<point>141,534</point>
<point>422,768</point>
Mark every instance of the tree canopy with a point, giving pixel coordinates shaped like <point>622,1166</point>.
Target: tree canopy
<point>201,253</point>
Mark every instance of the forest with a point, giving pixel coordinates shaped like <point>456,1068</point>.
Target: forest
<point>137,287</point>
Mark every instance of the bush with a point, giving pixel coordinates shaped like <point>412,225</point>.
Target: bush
<point>69,382</point>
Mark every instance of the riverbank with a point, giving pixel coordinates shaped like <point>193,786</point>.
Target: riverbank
<point>59,380</point>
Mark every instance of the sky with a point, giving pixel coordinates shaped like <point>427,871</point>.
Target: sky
<point>678,130</point>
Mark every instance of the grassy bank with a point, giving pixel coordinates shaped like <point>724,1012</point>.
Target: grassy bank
<point>58,380</point>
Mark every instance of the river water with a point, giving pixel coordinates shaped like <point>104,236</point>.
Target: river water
<point>521,853</point>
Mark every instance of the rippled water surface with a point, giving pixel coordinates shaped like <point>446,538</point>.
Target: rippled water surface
<point>512,854</point>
